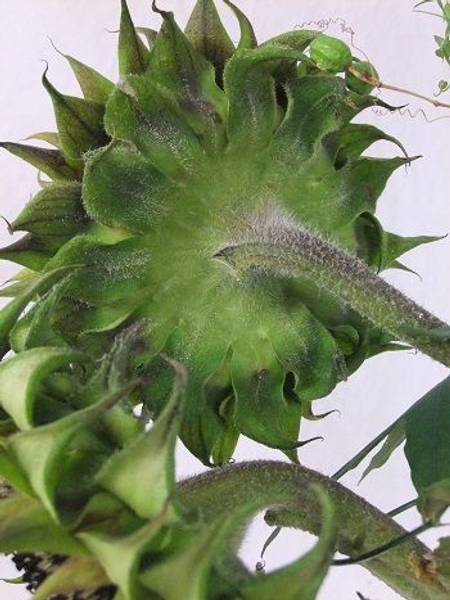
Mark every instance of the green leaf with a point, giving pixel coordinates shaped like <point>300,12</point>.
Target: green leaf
<point>76,573</point>
<point>302,579</point>
<point>250,87</point>
<point>19,283</point>
<point>118,176</point>
<point>149,116</point>
<point>142,475</point>
<point>111,273</point>
<point>353,139</point>
<point>317,107</point>
<point>79,121</point>
<point>227,440</point>
<point>258,380</point>
<point>50,137</point>
<point>30,251</point>
<point>185,74</point>
<point>11,312</point>
<point>120,556</point>
<point>208,36</point>
<point>10,470</point>
<point>49,161</point>
<point>396,245</point>
<point>188,566</point>
<point>95,87</point>
<point>27,370</point>
<point>44,456</point>
<point>427,441</point>
<point>36,327</point>
<point>348,186</point>
<point>379,248</point>
<point>148,34</point>
<point>356,460</point>
<point>394,438</point>
<point>55,214</point>
<point>298,40</point>
<point>133,54</point>
<point>26,526</point>
<point>248,37</point>
<point>434,500</point>
<point>393,435</point>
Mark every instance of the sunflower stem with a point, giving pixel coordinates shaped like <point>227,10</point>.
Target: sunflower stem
<point>280,246</point>
<point>289,489</point>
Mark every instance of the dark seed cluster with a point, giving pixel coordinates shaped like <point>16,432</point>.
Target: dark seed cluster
<point>40,565</point>
<point>106,592</point>
<point>37,566</point>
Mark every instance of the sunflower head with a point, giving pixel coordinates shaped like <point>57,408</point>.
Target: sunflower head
<point>199,143</point>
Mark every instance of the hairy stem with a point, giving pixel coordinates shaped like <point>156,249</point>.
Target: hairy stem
<point>290,251</point>
<point>286,488</point>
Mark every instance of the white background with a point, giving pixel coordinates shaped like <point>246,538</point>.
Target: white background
<point>400,44</point>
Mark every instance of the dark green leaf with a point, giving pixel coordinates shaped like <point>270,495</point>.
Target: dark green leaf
<point>190,79</point>
<point>316,107</point>
<point>111,273</point>
<point>28,370</point>
<point>248,37</point>
<point>148,116</point>
<point>353,139</point>
<point>118,178</point>
<point>250,87</point>
<point>79,121</point>
<point>95,87</point>
<point>395,437</point>
<point>258,381</point>
<point>142,475</point>
<point>370,240</point>
<point>148,34</point>
<point>56,213</point>
<point>208,36</point>
<point>26,526</point>
<point>427,441</point>
<point>298,39</point>
<point>11,312</point>
<point>30,251</point>
<point>51,137</point>
<point>133,54</point>
<point>49,161</point>
<point>396,245</point>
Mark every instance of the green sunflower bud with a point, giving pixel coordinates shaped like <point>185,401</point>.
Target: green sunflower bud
<point>361,77</point>
<point>198,144</point>
<point>330,54</point>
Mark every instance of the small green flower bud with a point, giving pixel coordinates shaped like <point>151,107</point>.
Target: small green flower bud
<point>330,53</point>
<point>361,77</point>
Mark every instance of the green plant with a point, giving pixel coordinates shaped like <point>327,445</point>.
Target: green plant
<point>206,260</point>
